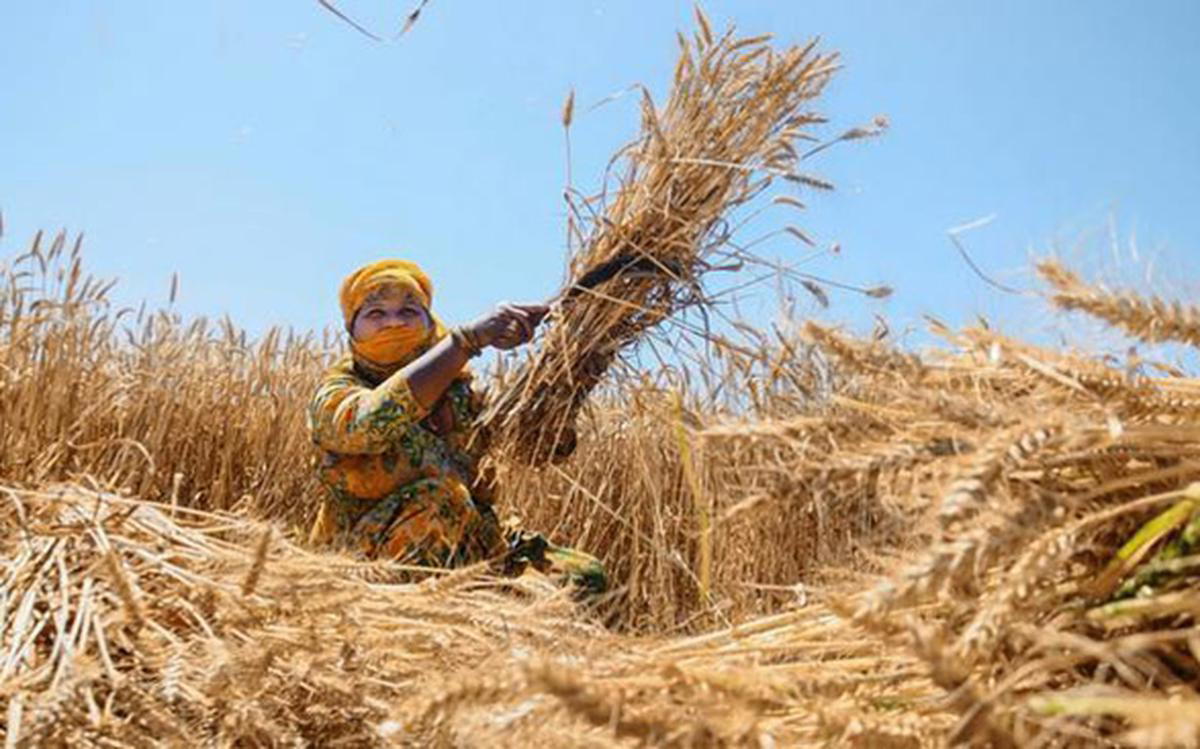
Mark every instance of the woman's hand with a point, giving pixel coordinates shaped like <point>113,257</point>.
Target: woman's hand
<point>509,325</point>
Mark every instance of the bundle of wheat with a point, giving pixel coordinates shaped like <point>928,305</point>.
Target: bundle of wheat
<point>728,131</point>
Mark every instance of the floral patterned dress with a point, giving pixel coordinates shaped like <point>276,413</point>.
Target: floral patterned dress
<point>397,489</point>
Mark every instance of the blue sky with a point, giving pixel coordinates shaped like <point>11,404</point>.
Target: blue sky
<point>263,150</point>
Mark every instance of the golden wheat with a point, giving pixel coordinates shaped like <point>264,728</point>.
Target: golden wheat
<point>726,132</point>
<point>816,540</point>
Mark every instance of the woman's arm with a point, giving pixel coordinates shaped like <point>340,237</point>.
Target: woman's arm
<point>432,372</point>
<point>346,416</point>
<point>508,326</point>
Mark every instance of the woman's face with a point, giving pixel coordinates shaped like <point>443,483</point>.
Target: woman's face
<point>389,307</point>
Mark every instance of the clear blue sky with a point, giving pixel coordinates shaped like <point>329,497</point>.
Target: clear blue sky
<point>262,150</point>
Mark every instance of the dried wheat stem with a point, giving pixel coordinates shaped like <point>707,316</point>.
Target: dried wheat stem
<point>260,561</point>
<point>1152,320</point>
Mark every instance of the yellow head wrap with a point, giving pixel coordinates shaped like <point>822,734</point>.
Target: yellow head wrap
<point>393,348</point>
<point>358,285</point>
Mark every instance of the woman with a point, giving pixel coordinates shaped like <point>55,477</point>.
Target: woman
<point>394,419</point>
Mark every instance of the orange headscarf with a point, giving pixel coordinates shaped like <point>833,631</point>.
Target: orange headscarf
<point>391,347</point>
<point>358,285</point>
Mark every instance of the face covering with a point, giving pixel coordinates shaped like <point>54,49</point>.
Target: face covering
<point>391,345</point>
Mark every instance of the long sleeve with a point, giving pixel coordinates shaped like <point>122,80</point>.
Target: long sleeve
<point>348,417</point>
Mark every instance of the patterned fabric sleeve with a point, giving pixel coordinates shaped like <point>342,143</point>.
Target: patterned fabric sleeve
<point>348,417</point>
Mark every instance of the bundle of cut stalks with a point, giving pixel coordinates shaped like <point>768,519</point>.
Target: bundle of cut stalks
<point>735,110</point>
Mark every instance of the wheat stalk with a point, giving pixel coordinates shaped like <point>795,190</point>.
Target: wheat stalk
<point>1151,320</point>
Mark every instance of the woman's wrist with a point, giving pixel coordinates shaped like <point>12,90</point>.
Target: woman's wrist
<point>467,340</point>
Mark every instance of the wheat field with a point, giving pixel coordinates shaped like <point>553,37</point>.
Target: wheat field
<point>987,544</point>
<point>815,539</point>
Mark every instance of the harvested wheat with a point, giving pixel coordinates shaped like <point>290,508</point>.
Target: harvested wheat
<point>729,129</point>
